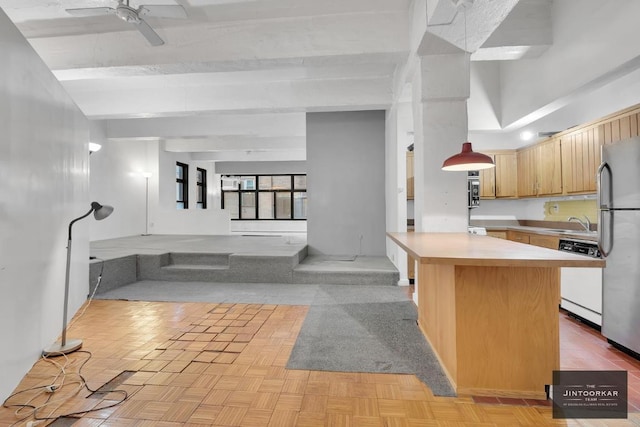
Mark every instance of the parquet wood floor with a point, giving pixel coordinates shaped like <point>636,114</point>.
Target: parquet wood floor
<point>198,364</point>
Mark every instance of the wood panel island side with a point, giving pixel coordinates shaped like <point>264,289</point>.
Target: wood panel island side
<point>489,309</point>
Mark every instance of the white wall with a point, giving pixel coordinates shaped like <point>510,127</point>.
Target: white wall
<point>43,186</point>
<point>532,208</point>
<point>399,135</point>
<point>346,183</point>
<point>510,209</point>
<point>166,219</point>
<point>484,95</point>
<point>585,48</point>
<point>116,180</point>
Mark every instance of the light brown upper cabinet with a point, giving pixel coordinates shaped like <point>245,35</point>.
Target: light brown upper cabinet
<point>410,175</point>
<point>506,174</point>
<point>580,160</point>
<point>488,181</point>
<point>581,148</point>
<point>499,181</point>
<point>550,168</point>
<point>624,125</point>
<point>563,164</point>
<point>540,169</point>
<point>527,171</point>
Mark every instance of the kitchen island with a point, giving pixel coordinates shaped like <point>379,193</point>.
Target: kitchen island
<point>489,309</point>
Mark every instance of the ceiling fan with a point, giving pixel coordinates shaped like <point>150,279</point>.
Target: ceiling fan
<point>134,16</point>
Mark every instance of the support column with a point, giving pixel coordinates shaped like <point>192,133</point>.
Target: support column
<point>440,93</point>
<point>398,128</point>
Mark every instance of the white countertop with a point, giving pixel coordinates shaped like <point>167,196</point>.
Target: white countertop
<point>469,249</point>
<point>573,234</point>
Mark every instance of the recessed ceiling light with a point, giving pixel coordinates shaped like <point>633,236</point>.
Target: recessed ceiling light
<point>526,135</point>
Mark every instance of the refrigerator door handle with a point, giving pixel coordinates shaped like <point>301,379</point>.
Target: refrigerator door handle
<point>602,209</point>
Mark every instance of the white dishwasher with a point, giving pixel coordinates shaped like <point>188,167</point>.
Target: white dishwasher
<point>581,288</point>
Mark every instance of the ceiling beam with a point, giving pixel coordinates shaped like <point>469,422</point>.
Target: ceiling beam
<point>274,39</point>
<point>324,95</point>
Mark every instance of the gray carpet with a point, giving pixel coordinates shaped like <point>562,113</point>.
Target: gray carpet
<point>341,335</point>
<point>349,328</point>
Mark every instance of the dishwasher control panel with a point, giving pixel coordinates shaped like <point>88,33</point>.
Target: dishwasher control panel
<point>580,247</point>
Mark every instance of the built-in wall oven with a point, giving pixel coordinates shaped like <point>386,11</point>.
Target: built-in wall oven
<point>581,288</point>
<point>473,189</point>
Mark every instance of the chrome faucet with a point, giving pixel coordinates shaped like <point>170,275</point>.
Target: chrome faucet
<point>586,225</point>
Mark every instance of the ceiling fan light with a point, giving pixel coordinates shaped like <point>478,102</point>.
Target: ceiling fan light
<point>467,160</point>
<point>127,13</point>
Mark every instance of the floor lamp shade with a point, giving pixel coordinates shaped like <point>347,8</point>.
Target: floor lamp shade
<point>100,212</point>
<point>467,160</point>
<point>65,346</point>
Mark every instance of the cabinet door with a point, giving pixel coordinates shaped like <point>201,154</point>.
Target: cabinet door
<point>497,233</point>
<point>488,181</point>
<point>517,236</point>
<point>506,175</point>
<point>580,160</point>
<point>549,168</point>
<point>526,161</point>
<point>410,175</point>
<point>550,242</point>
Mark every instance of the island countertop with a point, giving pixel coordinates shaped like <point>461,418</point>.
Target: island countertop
<point>471,249</point>
<point>489,309</point>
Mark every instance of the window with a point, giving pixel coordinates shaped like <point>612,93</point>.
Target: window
<point>265,197</point>
<point>201,181</point>
<point>182,186</point>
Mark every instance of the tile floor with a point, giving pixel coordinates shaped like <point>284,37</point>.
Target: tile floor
<point>206,364</point>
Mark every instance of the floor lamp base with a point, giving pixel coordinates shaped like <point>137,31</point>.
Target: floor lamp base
<point>58,349</point>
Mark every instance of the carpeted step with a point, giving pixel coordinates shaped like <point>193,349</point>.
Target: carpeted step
<point>239,268</point>
<point>285,267</point>
<point>113,273</point>
<point>383,278</point>
<point>194,267</point>
<point>346,270</point>
<point>214,260</point>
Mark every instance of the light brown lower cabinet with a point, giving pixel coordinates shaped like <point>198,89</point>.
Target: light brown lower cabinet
<point>410,177</point>
<point>542,240</point>
<point>498,234</point>
<point>411,265</point>
<point>518,236</point>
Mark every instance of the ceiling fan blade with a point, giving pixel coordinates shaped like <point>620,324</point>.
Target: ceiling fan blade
<point>149,34</point>
<point>91,11</point>
<point>163,11</point>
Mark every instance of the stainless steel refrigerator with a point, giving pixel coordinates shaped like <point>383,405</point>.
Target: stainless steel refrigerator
<point>618,201</point>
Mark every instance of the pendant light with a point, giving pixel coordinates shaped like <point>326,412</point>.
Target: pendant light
<point>467,159</point>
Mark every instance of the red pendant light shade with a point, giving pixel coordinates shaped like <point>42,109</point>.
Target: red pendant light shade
<point>467,160</point>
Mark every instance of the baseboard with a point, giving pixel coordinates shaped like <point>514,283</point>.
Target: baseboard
<point>403,282</point>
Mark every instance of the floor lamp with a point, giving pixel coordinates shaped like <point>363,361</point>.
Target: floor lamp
<point>63,347</point>
<point>146,175</point>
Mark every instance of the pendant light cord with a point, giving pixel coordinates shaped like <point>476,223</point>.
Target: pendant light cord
<point>465,28</point>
